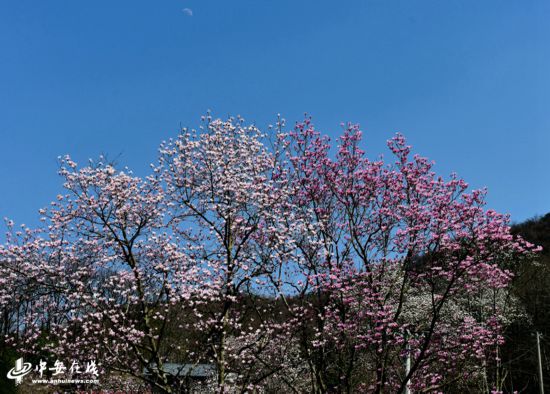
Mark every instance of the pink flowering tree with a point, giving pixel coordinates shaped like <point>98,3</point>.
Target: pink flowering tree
<point>230,209</point>
<point>397,263</point>
<point>104,274</point>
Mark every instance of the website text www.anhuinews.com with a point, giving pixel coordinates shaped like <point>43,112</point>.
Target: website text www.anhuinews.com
<point>65,381</point>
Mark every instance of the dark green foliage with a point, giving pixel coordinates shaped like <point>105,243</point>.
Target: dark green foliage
<point>7,361</point>
<point>532,286</point>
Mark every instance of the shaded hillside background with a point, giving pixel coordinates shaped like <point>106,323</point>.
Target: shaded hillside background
<point>532,286</point>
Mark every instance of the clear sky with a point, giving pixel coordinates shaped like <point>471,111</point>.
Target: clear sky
<point>466,81</point>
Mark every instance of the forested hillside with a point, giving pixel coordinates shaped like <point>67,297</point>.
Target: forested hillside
<point>532,286</point>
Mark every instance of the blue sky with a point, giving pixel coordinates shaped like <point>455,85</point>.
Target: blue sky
<point>466,81</point>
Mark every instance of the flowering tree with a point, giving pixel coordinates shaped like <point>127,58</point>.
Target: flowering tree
<point>228,207</point>
<point>105,270</point>
<point>399,261</point>
<point>286,266</point>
